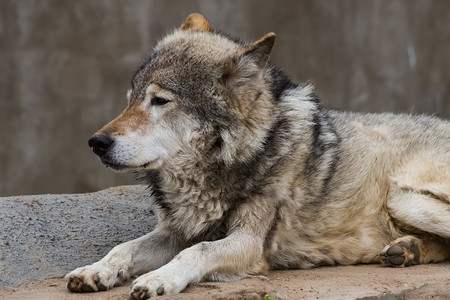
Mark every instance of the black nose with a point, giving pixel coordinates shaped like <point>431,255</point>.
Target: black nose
<point>101,143</point>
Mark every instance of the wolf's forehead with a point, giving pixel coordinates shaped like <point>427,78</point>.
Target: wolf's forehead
<point>209,44</point>
<point>185,53</point>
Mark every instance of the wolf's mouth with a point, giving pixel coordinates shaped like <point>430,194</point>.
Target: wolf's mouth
<point>122,167</point>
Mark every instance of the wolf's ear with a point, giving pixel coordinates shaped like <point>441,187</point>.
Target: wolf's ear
<point>260,50</point>
<point>250,61</point>
<point>195,22</point>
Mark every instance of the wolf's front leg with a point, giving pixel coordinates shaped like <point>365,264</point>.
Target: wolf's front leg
<point>235,256</point>
<point>125,260</point>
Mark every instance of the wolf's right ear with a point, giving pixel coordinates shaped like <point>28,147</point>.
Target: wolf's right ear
<point>195,22</point>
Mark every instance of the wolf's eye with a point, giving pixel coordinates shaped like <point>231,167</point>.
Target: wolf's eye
<point>159,101</point>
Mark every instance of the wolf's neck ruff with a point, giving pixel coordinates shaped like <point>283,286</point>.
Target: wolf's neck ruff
<point>204,186</point>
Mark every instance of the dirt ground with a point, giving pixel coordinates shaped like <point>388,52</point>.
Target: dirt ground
<point>343,282</point>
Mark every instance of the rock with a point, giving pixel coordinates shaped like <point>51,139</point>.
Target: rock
<point>46,236</point>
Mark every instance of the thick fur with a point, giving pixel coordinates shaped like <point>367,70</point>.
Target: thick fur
<point>250,173</point>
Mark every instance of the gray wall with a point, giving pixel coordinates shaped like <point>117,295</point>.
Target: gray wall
<point>65,68</point>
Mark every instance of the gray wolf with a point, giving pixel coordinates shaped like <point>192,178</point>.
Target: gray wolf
<point>250,172</point>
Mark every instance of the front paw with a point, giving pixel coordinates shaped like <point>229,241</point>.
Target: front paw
<point>155,284</point>
<point>93,278</point>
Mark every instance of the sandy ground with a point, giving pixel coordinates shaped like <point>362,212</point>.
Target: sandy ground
<point>349,282</point>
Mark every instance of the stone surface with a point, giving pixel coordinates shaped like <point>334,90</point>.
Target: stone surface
<point>46,236</point>
<point>66,66</point>
<point>363,282</point>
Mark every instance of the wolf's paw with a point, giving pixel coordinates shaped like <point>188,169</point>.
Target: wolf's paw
<point>153,284</point>
<point>92,278</point>
<point>402,252</point>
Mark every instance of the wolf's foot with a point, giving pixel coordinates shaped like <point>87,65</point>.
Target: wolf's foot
<point>156,283</point>
<point>402,252</point>
<point>93,278</point>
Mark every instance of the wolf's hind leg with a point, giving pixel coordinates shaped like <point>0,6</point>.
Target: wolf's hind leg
<point>410,250</point>
<point>425,212</point>
<point>422,212</point>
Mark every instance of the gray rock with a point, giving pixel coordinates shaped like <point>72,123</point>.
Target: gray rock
<point>46,236</point>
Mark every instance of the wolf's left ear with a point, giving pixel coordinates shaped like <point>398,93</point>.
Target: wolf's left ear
<point>248,62</point>
<point>260,50</point>
<point>195,22</point>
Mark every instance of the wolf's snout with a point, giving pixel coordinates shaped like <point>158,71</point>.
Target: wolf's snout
<point>101,143</point>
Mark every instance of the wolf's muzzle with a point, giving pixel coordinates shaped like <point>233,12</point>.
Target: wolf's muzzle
<point>100,144</point>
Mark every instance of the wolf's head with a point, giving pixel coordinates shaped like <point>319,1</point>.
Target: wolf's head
<point>199,94</point>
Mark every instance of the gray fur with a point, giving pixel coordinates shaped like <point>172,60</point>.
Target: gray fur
<point>249,172</point>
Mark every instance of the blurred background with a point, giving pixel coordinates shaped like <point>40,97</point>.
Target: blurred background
<point>65,67</point>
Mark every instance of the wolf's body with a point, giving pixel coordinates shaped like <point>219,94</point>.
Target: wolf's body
<point>251,173</point>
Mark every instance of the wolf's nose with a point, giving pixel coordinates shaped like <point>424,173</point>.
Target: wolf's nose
<point>101,143</point>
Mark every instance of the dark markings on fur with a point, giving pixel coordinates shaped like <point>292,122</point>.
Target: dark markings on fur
<point>280,82</point>
<point>323,156</point>
<point>152,178</point>
<point>332,166</point>
<point>318,147</point>
<point>314,98</point>
<point>258,95</point>
<point>216,231</point>
<point>253,174</point>
<point>217,144</point>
